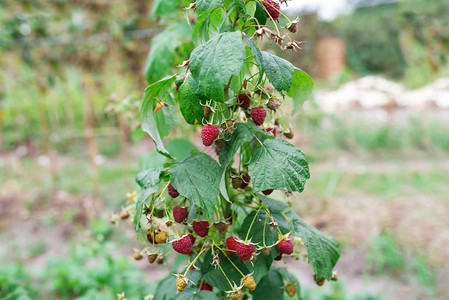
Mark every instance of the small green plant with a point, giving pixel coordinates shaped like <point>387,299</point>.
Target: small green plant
<point>218,214</point>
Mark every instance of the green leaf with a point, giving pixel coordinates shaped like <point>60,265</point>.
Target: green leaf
<point>165,7</point>
<point>301,89</point>
<point>148,180</point>
<point>271,286</point>
<point>323,251</point>
<point>260,229</point>
<point>216,278</point>
<point>260,14</point>
<point>162,52</point>
<point>197,178</point>
<point>213,63</point>
<point>241,135</point>
<point>210,23</point>
<point>203,5</point>
<point>166,289</point>
<point>191,293</point>
<point>279,71</point>
<point>190,98</point>
<point>275,206</point>
<point>152,160</point>
<point>278,164</point>
<point>157,124</point>
<point>260,267</point>
<point>180,148</point>
<point>257,54</point>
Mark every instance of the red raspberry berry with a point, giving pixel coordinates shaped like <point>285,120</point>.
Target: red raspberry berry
<point>209,134</point>
<point>273,8</point>
<point>246,179</point>
<point>267,192</point>
<point>183,245</point>
<point>244,251</point>
<point>244,101</point>
<point>231,243</point>
<point>201,228</point>
<point>272,130</point>
<point>258,115</point>
<point>285,246</point>
<point>151,237</point>
<point>172,191</point>
<point>206,287</point>
<point>192,238</point>
<point>180,213</point>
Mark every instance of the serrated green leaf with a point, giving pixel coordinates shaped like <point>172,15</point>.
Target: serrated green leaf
<point>213,63</point>
<point>161,56</point>
<point>152,160</point>
<point>165,7</point>
<point>323,251</point>
<point>216,278</point>
<point>197,178</point>
<point>203,5</point>
<point>180,148</point>
<point>190,99</point>
<point>260,267</point>
<point>241,135</point>
<point>191,293</point>
<point>260,14</point>
<point>260,230</point>
<point>273,205</point>
<point>148,180</point>
<point>257,54</point>
<point>158,124</point>
<point>278,164</point>
<point>271,286</point>
<point>301,88</point>
<point>279,71</point>
<point>166,289</point>
<point>210,23</point>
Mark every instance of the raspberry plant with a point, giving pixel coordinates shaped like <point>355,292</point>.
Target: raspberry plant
<point>214,211</point>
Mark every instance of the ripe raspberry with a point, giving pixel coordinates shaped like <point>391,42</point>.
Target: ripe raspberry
<point>272,130</point>
<point>206,287</point>
<point>279,257</point>
<point>244,251</point>
<point>237,295</point>
<point>161,237</point>
<point>208,134</point>
<point>285,246</point>
<point>231,243</point>
<point>172,191</point>
<point>246,179</point>
<point>249,282</point>
<point>151,238</point>
<point>244,101</point>
<point>183,245</point>
<point>201,228</point>
<point>192,238</point>
<point>180,213</point>
<point>273,8</point>
<point>290,289</point>
<point>258,115</point>
<point>181,283</point>
<point>267,192</point>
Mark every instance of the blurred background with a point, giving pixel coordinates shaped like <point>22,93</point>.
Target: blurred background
<point>376,133</point>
